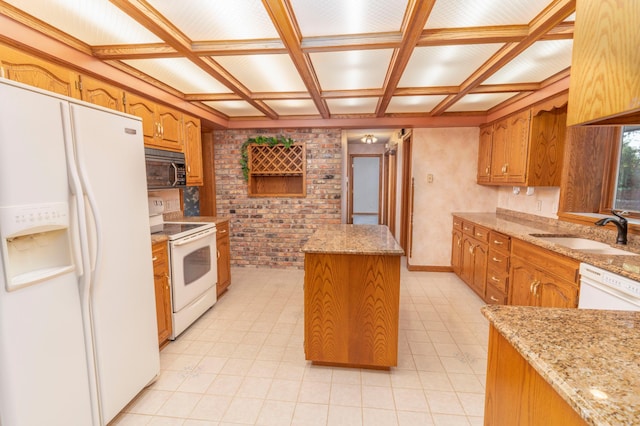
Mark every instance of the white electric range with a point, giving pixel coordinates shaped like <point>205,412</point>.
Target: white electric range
<point>192,264</point>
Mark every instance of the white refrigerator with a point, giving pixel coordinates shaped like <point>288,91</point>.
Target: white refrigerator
<point>78,333</point>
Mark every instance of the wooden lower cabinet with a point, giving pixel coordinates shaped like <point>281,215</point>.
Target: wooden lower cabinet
<point>224,257</point>
<point>516,394</point>
<point>160,253</point>
<point>540,277</point>
<point>498,269</point>
<point>351,307</point>
<point>472,255</point>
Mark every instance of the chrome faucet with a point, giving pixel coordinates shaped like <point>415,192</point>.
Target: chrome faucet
<point>620,223</point>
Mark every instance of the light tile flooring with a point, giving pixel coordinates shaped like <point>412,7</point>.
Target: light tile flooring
<point>243,362</point>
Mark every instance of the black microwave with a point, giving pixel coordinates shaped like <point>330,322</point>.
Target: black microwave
<point>165,169</point>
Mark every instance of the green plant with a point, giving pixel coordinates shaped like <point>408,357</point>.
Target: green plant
<point>260,140</point>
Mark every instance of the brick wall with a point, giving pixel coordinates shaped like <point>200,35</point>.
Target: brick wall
<point>270,231</point>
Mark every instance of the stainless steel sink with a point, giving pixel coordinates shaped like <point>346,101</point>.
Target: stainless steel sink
<point>583,244</point>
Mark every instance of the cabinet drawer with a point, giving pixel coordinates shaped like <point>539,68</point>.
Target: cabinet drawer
<point>495,296</point>
<point>467,227</point>
<point>498,278</point>
<point>498,241</point>
<point>498,261</point>
<point>480,233</point>
<point>457,223</point>
<point>222,229</point>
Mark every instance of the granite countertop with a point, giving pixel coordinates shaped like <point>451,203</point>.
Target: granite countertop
<point>590,357</point>
<point>353,239</point>
<point>522,229</point>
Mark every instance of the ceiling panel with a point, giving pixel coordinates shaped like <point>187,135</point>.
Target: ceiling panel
<point>234,108</point>
<point>475,13</point>
<point>264,73</point>
<point>95,22</point>
<point>293,107</point>
<point>330,17</point>
<point>480,101</point>
<point>179,73</point>
<point>414,104</point>
<point>350,70</point>
<point>218,20</point>
<point>445,65</point>
<point>539,62</point>
<point>352,105</point>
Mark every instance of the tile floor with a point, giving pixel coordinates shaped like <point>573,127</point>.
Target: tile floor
<point>243,362</point>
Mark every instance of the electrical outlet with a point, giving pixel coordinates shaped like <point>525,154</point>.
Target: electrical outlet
<point>430,178</point>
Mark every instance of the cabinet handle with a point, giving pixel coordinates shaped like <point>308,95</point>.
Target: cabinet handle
<point>479,234</point>
<point>487,170</point>
<point>495,279</point>
<point>494,299</point>
<point>498,243</point>
<point>533,283</point>
<point>218,254</point>
<point>471,249</point>
<point>458,242</point>
<point>154,258</point>
<point>224,231</point>
<point>495,259</point>
<point>535,289</point>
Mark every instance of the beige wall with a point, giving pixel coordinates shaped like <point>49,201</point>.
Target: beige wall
<point>451,156</point>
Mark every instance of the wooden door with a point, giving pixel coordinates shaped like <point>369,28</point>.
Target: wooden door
<point>193,150</point>
<point>406,201</point>
<point>553,292</point>
<point>521,282</point>
<point>145,109</point>
<point>100,93</point>
<point>162,291</point>
<point>499,147</point>
<point>456,251</point>
<point>484,154</point>
<point>170,124</point>
<point>480,260</point>
<point>27,69</point>
<point>518,146</point>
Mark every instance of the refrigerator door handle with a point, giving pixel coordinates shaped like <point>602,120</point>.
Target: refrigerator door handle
<point>75,184</point>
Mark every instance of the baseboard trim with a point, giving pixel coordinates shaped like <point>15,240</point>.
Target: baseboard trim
<point>427,268</point>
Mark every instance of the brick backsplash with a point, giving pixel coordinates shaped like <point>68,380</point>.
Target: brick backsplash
<point>270,231</point>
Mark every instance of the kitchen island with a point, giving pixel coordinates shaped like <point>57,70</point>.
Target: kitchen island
<point>352,296</point>
<point>562,366</point>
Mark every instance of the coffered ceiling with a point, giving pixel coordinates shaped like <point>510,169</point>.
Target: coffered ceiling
<point>322,59</point>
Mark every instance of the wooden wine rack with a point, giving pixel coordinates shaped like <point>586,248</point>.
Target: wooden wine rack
<point>277,171</point>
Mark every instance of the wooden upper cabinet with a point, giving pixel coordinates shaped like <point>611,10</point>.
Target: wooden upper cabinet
<point>527,147</point>
<point>484,154</point>
<point>100,93</point>
<point>27,69</point>
<point>193,150</point>
<point>161,126</point>
<point>605,79</point>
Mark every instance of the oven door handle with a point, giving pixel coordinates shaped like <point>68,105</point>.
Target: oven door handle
<point>192,238</point>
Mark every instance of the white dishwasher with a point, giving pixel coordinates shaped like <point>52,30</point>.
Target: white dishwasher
<point>600,289</point>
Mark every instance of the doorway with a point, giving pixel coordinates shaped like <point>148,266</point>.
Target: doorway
<point>365,189</point>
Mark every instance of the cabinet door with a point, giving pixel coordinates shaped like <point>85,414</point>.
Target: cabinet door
<point>480,257</point>
<point>224,264</point>
<point>518,147</point>
<point>170,126</point>
<point>162,289</point>
<point>555,293</point>
<point>484,154</point>
<point>193,150</point>
<point>456,251</point>
<point>499,146</point>
<point>100,93</point>
<point>521,282</point>
<point>36,72</point>
<point>468,264</point>
<point>145,109</point>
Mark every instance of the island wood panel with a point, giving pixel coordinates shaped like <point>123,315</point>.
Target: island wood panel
<point>516,394</point>
<point>351,305</point>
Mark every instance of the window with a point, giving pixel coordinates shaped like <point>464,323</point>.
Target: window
<point>627,187</point>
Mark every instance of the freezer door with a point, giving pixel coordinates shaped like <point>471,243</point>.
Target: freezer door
<point>110,161</point>
<point>44,376</point>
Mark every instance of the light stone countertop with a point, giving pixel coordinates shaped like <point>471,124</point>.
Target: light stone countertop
<point>522,229</point>
<point>590,357</point>
<point>353,239</point>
